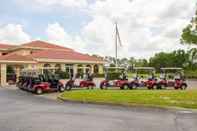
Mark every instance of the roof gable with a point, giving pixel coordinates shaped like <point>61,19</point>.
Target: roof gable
<point>45,45</point>
<point>16,57</point>
<point>65,55</point>
<point>6,46</point>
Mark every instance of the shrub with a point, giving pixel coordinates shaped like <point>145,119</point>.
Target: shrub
<point>113,76</point>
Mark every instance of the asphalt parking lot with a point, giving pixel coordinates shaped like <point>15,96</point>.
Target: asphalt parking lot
<point>22,111</point>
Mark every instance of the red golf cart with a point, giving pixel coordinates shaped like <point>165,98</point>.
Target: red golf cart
<point>172,77</point>
<point>139,81</point>
<point>38,83</point>
<point>83,80</point>
<point>121,78</point>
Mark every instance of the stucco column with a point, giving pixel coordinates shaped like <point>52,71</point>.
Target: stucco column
<point>92,69</point>
<point>100,68</point>
<point>75,69</point>
<point>17,73</point>
<point>3,75</point>
<point>84,69</point>
<point>63,68</point>
<point>39,67</point>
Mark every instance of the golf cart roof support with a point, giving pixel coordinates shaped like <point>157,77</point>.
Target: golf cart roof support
<point>114,67</point>
<point>144,68</point>
<point>171,68</point>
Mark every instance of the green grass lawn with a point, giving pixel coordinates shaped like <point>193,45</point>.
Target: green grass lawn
<point>157,98</point>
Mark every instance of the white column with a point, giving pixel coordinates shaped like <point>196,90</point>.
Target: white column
<point>75,66</point>
<point>63,68</point>
<point>92,68</point>
<point>3,75</point>
<point>17,73</point>
<point>84,69</point>
<point>101,71</point>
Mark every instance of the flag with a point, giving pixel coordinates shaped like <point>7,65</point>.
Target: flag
<point>118,36</point>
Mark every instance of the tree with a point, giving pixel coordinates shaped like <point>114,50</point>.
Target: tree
<point>178,58</point>
<point>189,34</point>
<point>192,58</point>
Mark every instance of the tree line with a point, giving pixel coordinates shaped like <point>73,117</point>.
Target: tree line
<point>178,58</point>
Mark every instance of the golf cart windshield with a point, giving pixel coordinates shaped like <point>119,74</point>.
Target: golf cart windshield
<point>140,72</point>
<point>114,73</point>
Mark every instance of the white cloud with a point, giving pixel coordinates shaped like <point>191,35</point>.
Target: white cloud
<point>13,33</point>
<point>56,33</point>
<point>146,26</point>
<point>55,3</point>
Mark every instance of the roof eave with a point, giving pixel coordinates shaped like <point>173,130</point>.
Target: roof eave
<point>68,61</point>
<point>21,62</point>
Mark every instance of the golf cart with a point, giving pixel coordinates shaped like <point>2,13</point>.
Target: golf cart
<point>39,83</point>
<point>121,78</point>
<point>31,81</point>
<point>83,80</point>
<point>172,77</point>
<point>139,81</point>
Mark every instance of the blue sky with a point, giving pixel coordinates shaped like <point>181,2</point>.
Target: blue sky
<point>145,26</point>
<point>35,22</point>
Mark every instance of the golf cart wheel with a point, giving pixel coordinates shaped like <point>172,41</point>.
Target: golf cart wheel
<point>68,87</point>
<point>184,87</point>
<point>125,86</point>
<point>90,87</point>
<point>39,91</point>
<point>159,87</point>
<point>154,86</point>
<point>150,87</point>
<point>130,87</point>
<point>103,87</point>
<point>61,88</point>
<point>176,88</point>
<point>122,87</point>
<point>19,85</point>
<point>163,86</point>
<point>134,86</point>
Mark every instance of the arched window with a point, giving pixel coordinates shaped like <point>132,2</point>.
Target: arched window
<point>88,68</point>
<point>96,69</point>
<point>46,68</point>
<point>57,67</point>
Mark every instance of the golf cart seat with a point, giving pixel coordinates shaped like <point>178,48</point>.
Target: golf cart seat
<point>77,81</point>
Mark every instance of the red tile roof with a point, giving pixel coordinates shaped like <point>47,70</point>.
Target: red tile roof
<point>49,51</point>
<point>65,55</point>
<point>15,57</point>
<point>42,44</point>
<point>6,46</point>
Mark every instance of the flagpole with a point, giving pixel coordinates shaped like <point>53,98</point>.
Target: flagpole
<point>116,45</point>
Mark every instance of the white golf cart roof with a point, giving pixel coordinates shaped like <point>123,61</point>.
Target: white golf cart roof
<point>172,68</point>
<point>107,67</point>
<point>144,68</point>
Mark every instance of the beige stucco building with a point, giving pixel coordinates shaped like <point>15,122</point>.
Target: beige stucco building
<point>40,54</point>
